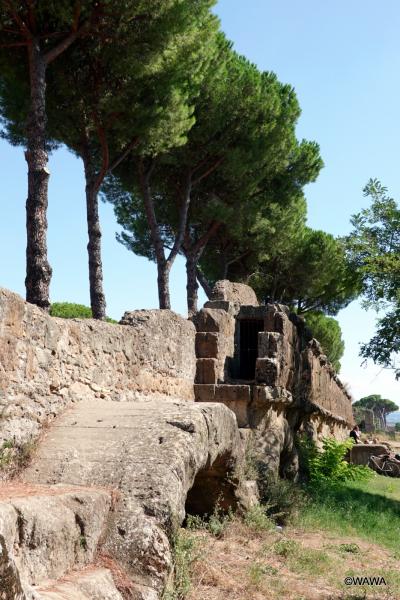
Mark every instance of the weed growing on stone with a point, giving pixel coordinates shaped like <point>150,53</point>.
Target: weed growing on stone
<point>14,457</point>
<point>6,454</point>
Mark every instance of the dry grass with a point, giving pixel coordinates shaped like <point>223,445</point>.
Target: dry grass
<point>250,564</point>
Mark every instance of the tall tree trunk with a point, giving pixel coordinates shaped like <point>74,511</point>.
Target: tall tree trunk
<point>163,265</point>
<point>163,270</point>
<point>97,297</point>
<point>191,285</point>
<point>38,270</point>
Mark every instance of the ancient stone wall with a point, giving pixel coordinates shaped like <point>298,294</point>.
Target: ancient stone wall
<point>48,363</point>
<point>293,386</point>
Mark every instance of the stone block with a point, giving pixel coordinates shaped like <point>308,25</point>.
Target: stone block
<point>204,392</point>
<point>232,393</point>
<point>221,304</point>
<point>214,320</point>
<point>237,398</point>
<point>207,345</point>
<point>361,453</point>
<point>207,370</point>
<point>253,312</point>
<point>267,371</point>
<point>238,293</point>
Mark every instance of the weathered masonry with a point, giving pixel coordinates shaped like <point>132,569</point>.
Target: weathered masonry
<point>119,450</point>
<point>260,362</point>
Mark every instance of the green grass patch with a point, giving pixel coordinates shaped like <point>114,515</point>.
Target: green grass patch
<point>300,559</point>
<point>367,509</point>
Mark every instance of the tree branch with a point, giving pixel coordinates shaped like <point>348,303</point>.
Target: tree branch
<point>24,29</point>
<point>132,144</point>
<point>14,44</point>
<point>201,243</point>
<point>204,282</point>
<point>209,171</point>
<point>71,37</point>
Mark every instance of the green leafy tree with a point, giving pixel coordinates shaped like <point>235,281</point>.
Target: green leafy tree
<point>374,250</point>
<point>329,334</point>
<point>381,407</point>
<point>129,95</point>
<point>124,88</point>
<point>308,271</point>
<point>33,35</point>
<point>244,134</point>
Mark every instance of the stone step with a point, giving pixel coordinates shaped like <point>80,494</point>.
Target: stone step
<point>88,584</point>
<point>50,530</point>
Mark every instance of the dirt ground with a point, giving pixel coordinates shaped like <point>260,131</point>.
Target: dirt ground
<point>246,564</point>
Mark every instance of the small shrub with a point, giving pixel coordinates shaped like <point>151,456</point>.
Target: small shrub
<point>286,548</point>
<point>329,466</point>
<point>70,310</point>
<point>257,519</point>
<point>349,548</point>
<point>6,454</point>
<point>14,457</point>
<point>216,523</point>
<point>281,499</point>
<point>185,551</point>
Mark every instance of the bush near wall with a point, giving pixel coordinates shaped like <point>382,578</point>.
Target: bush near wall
<point>70,310</point>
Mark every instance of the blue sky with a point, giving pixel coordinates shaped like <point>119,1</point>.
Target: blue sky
<point>343,59</point>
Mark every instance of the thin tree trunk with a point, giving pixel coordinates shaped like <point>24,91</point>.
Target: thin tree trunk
<point>97,297</point>
<point>163,269</point>
<point>191,286</point>
<point>38,270</point>
<point>163,266</point>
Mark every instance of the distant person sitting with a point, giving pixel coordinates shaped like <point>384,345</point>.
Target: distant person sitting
<point>355,434</point>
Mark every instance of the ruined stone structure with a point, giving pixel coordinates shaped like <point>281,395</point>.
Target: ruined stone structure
<point>119,450</point>
<point>259,361</point>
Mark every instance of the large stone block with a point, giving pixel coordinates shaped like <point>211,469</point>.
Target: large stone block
<point>237,398</point>
<point>207,345</point>
<point>214,320</point>
<point>150,454</point>
<point>204,392</point>
<point>361,453</point>
<point>207,370</point>
<point>238,293</point>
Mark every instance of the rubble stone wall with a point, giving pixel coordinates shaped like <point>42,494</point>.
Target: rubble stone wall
<point>47,363</point>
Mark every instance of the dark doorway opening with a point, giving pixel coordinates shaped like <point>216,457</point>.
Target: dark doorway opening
<point>248,343</point>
